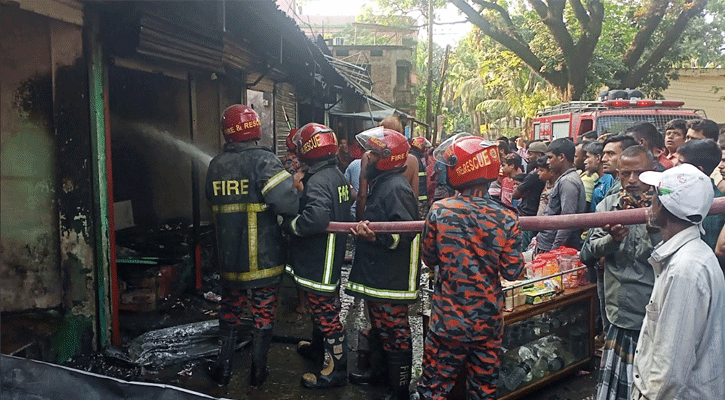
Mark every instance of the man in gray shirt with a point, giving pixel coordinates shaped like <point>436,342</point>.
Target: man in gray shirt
<point>628,276</point>
<point>567,196</point>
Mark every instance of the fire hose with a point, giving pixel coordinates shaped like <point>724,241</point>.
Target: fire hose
<point>549,222</point>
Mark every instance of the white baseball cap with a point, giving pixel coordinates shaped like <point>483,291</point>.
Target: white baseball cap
<point>684,190</point>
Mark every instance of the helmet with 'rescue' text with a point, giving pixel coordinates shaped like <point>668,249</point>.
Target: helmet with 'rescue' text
<point>419,144</point>
<point>314,142</point>
<point>470,160</point>
<point>240,123</point>
<point>391,145</point>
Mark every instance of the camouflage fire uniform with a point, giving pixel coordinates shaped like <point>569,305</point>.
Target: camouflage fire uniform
<point>472,239</point>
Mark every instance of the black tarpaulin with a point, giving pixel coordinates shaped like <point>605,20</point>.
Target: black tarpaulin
<point>24,379</point>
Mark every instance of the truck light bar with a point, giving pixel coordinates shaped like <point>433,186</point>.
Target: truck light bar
<point>642,103</point>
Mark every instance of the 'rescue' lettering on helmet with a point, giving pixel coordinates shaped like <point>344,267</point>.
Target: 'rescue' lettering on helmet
<point>244,126</point>
<point>311,144</point>
<point>377,142</point>
<point>482,159</point>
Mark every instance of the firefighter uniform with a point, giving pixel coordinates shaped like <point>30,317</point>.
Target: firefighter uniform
<point>318,256</point>
<point>385,271</point>
<point>247,188</point>
<point>472,239</point>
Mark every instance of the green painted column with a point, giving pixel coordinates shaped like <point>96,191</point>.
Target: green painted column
<point>97,83</point>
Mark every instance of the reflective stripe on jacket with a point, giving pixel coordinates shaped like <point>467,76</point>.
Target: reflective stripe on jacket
<point>247,187</point>
<point>388,268</point>
<point>318,256</point>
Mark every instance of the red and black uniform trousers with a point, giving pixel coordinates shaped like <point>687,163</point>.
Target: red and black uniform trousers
<point>442,361</point>
<point>263,303</point>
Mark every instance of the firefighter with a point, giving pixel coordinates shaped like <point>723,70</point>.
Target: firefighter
<point>386,271</point>
<point>418,146</point>
<point>472,239</point>
<point>318,256</point>
<point>248,187</point>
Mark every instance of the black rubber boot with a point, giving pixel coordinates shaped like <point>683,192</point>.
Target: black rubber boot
<point>377,374</point>
<point>313,350</point>
<point>221,371</point>
<point>261,340</point>
<point>399,371</point>
<point>334,371</point>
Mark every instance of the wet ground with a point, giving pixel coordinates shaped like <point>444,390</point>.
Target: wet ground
<point>286,367</point>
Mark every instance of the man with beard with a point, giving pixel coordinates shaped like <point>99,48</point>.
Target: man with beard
<point>628,276</point>
<point>385,271</point>
<point>680,353</point>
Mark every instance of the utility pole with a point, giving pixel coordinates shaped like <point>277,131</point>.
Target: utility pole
<point>440,93</point>
<point>429,88</point>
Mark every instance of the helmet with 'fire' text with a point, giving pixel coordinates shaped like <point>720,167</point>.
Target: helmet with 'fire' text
<point>389,144</point>
<point>241,123</point>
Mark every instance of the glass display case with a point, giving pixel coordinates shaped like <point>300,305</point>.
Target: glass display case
<point>543,343</point>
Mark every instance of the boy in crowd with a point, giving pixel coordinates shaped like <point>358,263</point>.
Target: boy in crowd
<point>511,166</point>
<point>546,176</point>
<point>675,134</point>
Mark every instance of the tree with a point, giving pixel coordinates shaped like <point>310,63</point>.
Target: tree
<point>490,86</point>
<point>576,28</point>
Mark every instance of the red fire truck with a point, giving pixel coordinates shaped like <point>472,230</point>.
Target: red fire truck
<point>615,111</point>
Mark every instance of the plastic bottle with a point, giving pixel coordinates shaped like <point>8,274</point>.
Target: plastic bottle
<point>517,376</point>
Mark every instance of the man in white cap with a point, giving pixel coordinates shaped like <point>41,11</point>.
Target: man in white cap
<point>680,351</point>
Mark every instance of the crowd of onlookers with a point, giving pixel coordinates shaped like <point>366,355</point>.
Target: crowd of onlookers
<point>606,172</point>
<point>599,173</point>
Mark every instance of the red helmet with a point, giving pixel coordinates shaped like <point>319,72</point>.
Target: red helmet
<point>314,141</point>
<point>290,144</point>
<point>241,123</point>
<point>419,143</point>
<point>389,144</point>
<point>470,160</point>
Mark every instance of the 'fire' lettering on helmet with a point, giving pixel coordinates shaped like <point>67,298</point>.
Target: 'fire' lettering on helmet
<point>311,144</point>
<point>398,157</point>
<point>229,188</point>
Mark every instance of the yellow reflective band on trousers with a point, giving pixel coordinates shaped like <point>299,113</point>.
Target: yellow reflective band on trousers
<point>421,173</point>
<point>252,233</point>
<point>250,276</point>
